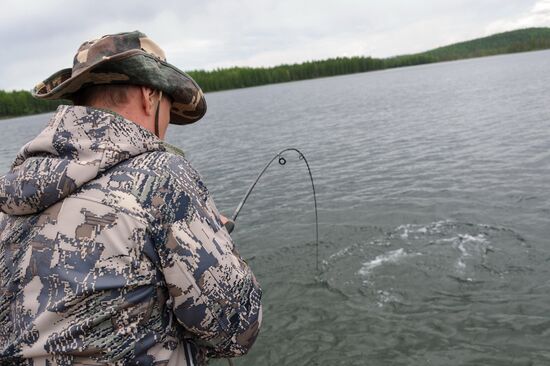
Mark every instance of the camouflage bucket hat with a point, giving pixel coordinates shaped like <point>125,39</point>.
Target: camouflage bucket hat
<point>127,58</point>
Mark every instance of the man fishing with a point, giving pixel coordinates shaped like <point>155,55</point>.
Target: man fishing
<point>111,248</point>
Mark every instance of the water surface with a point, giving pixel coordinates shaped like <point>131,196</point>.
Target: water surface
<point>434,208</point>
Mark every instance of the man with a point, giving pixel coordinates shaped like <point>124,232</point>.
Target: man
<point>111,248</point>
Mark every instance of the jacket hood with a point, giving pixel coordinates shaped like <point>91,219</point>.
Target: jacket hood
<point>78,144</point>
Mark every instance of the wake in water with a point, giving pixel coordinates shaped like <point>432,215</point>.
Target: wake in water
<point>413,261</point>
<point>393,256</point>
<point>403,293</point>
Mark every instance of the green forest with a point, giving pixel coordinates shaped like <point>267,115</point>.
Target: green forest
<point>21,103</point>
<point>17,103</point>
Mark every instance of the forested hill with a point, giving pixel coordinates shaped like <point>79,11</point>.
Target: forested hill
<point>530,39</point>
<point>20,102</point>
<point>509,42</point>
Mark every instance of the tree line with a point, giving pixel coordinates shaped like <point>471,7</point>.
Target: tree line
<point>18,103</point>
<point>240,77</point>
<point>21,102</point>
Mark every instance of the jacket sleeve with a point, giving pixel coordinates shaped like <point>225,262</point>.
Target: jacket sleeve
<point>215,294</point>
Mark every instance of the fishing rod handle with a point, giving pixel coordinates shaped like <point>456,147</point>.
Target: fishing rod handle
<point>229,225</point>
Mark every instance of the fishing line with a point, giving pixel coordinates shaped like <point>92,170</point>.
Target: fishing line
<point>282,161</point>
<point>230,225</point>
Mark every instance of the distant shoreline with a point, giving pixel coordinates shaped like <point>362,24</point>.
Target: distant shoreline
<point>2,118</point>
<point>21,103</point>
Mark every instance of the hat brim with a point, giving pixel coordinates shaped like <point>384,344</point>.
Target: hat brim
<point>134,67</point>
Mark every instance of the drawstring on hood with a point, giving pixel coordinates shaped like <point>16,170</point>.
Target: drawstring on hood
<point>78,144</point>
<point>157,131</point>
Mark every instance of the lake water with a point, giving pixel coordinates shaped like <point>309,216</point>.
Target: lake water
<point>434,211</point>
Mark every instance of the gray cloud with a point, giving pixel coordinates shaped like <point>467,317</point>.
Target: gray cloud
<point>537,16</point>
<point>41,37</point>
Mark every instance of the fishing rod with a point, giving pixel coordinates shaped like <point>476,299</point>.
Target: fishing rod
<point>230,225</point>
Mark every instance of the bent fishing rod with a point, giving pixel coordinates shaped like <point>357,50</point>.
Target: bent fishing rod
<point>230,225</point>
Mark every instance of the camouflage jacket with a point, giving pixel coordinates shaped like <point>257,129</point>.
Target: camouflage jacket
<point>112,253</point>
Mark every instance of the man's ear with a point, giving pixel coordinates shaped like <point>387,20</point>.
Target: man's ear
<point>148,100</point>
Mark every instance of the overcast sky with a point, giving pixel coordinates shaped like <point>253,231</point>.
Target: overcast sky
<point>40,37</point>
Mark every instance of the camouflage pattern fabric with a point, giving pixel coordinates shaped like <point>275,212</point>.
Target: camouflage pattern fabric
<point>112,253</point>
<point>129,58</point>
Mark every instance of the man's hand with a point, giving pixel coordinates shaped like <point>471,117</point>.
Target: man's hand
<point>223,219</point>
<point>229,224</point>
